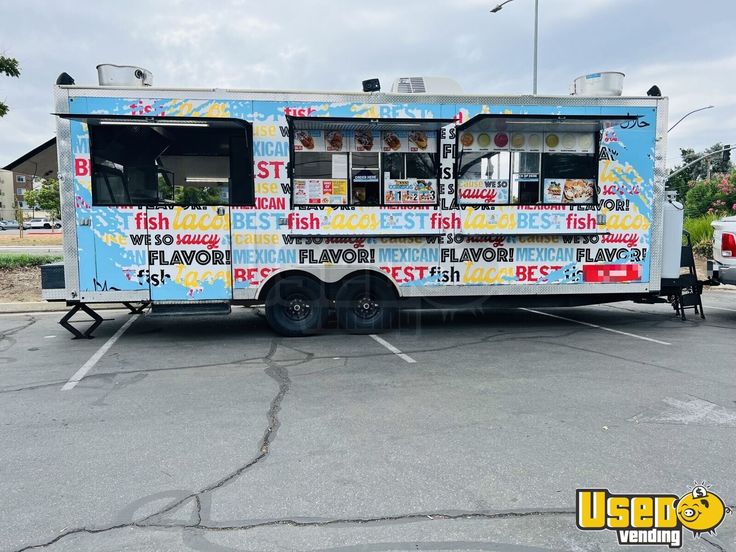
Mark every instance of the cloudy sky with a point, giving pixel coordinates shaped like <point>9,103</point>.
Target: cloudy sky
<point>685,47</point>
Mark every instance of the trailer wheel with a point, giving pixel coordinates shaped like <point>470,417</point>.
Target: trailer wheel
<point>365,304</point>
<point>296,307</point>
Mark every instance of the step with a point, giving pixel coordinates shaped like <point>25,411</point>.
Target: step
<point>189,309</point>
<point>690,300</point>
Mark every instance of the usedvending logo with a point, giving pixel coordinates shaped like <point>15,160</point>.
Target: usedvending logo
<point>651,518</point>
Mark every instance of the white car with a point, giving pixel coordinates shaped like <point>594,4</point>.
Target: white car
<point>9,225</point>
<point>722,267</point>
<point>40,223</point>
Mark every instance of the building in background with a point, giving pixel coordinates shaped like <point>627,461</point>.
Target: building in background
<point>23,174</point>
<point>13,188</point>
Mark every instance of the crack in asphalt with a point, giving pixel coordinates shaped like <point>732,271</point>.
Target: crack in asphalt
<point>278,370</point>
<point>295,361</point>
<point>6,341</point>
<point>296,522</point>
<point>419,516</point>
<point>715,545</point>
<point>507,335</point>
<point>324,522</point>
<point>280,375</point>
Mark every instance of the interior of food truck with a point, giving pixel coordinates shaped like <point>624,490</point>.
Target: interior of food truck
<point>169,161</point>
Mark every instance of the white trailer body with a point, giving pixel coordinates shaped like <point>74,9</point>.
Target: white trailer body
<point>189,197</point>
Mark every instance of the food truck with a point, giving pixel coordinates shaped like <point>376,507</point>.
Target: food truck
<point>194,200</point>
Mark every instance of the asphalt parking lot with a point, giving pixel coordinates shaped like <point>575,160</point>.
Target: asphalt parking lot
<point>459,431</point>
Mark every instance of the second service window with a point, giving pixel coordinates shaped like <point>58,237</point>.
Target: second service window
<point>365,163</point>
<point>506,160</point>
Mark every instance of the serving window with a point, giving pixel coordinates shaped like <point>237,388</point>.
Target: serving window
<point>529,160</point>
<point>365,162</point>
<point>170,162</point>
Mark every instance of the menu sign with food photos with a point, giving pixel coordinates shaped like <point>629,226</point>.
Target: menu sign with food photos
<point>569,142</point>
<point>309,140</point>
<point>569,190</point>
<point>485,141</point>
<point>366,140</point>
<point>335,140</point>
<point>421,141</point>
<point>320,140</point>
<point>395,141</point>
<point>320,192</point>
<point>410,191</point>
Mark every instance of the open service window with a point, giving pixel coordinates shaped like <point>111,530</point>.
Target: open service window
<point>368,162</point>
<point>170,161</point>
<point>529,159</point>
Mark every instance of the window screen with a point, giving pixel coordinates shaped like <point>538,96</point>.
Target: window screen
<point>364,167</point>
<point>148,164</point>
<point>526,162</point>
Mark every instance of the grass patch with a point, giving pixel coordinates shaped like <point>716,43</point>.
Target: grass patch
<point>11,238</point>
<point>23,260</point>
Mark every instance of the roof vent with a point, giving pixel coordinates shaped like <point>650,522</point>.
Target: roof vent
<point>123,75</point>
<point>425,85</point>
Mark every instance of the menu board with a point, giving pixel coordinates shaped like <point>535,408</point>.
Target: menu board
<point>569,142</point>
<point>569,190</point>
<point>320,192</point>
<point>395,141</point>
<point>484,141</point>
<point>563,142</point>
<point>410,191</point>
<point>365,140</point>
<point>421,141</point>
<point>483,192</point>
<point>309,140</point>
<point>414,141</point>
<point>321,140</point>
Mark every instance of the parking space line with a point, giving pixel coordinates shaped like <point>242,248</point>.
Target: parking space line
<point>393,349</point>
<point>719,308</point>
<point>95,358</point>
<point>597,326</point>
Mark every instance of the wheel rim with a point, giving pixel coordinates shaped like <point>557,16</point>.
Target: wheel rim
<point>366,307</point>
<point>298,307</point>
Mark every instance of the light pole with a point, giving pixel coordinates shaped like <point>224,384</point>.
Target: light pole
<point>536,35</point>
<point>688,114</point>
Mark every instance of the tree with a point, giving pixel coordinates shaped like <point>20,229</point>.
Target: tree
<point>46,197</point>
<point>716,166</point>
<point>19,217</point>
<point>10,67</point>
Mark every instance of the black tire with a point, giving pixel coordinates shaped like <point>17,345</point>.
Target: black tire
<point>296,306</point>
<point>366,304</point>
<point>47,226</point>
<point>57,225</point>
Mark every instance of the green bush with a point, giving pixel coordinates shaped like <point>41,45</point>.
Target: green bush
<point>700,228</point>
<point>704,248</point>
<point>23,260</point>
<point>700,198</point>
<point>701,233</point>
<point>717,196</point>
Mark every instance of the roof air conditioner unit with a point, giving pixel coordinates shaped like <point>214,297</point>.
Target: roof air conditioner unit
<point>426,85</point>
